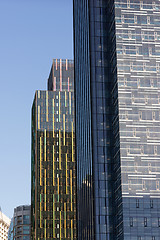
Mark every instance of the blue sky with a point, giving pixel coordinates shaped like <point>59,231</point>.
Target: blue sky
<point>32,33</point>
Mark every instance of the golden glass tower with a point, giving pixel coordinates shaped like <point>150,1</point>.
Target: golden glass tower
<point>53,208</point>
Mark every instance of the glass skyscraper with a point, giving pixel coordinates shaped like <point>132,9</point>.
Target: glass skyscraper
<point>117,95</point>
<point>53,206</point>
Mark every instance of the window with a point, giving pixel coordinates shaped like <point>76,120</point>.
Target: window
<point>128,3</point>
<point>149,167</point>
<point>137,203</point>
<point>145,222</point>
<point>147,132</point>
<point>143,185</point>
<point>128,149</point>
<point>26,219</point>
<point>126,115</point>
<point>142,150</point>
<point>140,115</point>
<point>135,19</point>
<point>153,115</point>
<point>134,132</point>
<point>155,150</point>
<point>157,67</point>
<point>131,221</point>
<point>151,203</point>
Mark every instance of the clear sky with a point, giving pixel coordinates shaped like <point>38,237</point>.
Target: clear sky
<point>32,33</point>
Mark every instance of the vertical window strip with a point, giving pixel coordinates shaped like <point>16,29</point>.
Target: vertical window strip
<point>40,211</point>
<point>58,188</point>
<point>65,99</point>
<point>53,116</point>
<point>69,102</point>
<point>54,83</point>
<point>64,129</point>
<point>40,161</point>
<point>60,74</point>
<point>71,188</point>
<point>56,65</point>
<point>72,144</point>
<point>45,189</point>
<point>65,220</point>
<point>59,107</point>
<point>60,149</point>
<point>60,225</point>
<point>45,230</point>
<point>68,84</point>
<point>53,218</point>
<point>38,117</point>
<point>53,166</point>
<point>66,64</point>
<point>71,229</point>
<point>45,145</point>
<point>66,174</point>
<point>46,106</point>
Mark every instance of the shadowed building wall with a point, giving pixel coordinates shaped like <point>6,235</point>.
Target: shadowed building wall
<point>117,89</point>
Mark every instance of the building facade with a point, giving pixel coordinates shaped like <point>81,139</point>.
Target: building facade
<point>117,95</point>
<point>4,226</point>
<point>20,228</point>
<point>53,156</point>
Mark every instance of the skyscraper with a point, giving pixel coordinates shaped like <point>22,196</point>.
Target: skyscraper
<point>117,95</point>
<point>53,156</point>
<point>4,226</point>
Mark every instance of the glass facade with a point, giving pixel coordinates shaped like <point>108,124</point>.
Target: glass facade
<point>53,156</point>
<point>137,25</point>
<point>20,228</point>
<point>117,73</point>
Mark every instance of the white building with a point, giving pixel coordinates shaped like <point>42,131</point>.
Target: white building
<point>4,226</point>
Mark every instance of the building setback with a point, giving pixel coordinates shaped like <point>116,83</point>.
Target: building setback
<point>117,95</point>
<point>4,226</point>
<point>53,156</point>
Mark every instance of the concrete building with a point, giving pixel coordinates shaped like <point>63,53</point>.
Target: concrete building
<point>4,226</point>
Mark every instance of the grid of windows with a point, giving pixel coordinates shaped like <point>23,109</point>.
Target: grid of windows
<point>53,157</point>
<point>21,223</point>
<point>117,74</point>
<point>137,40</point>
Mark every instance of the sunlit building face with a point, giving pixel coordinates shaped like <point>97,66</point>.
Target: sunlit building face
<point>53,156</point>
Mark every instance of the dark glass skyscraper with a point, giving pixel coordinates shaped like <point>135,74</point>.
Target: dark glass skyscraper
<point>117,89</point>
<point>53,156</point>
